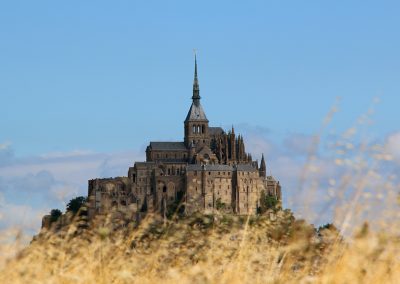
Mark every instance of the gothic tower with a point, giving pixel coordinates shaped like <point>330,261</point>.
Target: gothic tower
<point>263,168</point>
<point>196,122</point>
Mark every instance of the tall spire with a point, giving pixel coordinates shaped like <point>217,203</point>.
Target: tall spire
<point>196,88</point>
<point>263,168</point>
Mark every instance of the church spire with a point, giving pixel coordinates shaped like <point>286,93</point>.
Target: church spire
<point>196,88</point>
<point>263,168</point>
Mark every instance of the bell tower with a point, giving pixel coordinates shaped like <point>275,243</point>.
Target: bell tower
<point>196,122</point>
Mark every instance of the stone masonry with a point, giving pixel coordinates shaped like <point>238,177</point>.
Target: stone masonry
<point>207,172</point>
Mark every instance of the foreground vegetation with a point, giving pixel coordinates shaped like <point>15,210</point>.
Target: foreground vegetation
<point>204,249</point>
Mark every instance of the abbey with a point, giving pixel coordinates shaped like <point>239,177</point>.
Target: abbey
<point>207,172</point>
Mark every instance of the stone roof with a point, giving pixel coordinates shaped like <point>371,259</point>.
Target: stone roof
<point>168,146</point>
<point>215,131</point>
<point>197,167</point>
<point>196,112</point>
<point>246,168</point>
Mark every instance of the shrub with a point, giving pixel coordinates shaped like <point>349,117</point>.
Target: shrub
<point>267,202</point>
<point>54,215</point>
<point>220,205</point>
<point>75,204</point>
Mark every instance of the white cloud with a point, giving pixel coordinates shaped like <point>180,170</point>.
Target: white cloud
<point>22,217</point>
<point>392,146</point>
<point>34,185</point>
<point>75,153</point>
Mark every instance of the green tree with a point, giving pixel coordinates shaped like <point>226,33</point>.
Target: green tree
<point>75,204</point>
<point>267,202</point>
<point>271,202</point>
<point>54,215</point>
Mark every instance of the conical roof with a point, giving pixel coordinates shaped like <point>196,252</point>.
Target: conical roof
<point>196,112</point>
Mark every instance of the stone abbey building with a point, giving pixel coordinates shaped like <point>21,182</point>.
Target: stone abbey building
<point>208,171</point>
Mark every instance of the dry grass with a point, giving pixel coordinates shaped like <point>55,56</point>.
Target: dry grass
<point>205,249</point>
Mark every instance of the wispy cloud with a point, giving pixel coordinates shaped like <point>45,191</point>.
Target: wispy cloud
<point>39,183</point>
<point>392,146</point>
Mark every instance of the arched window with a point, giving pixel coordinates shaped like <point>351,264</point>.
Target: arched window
<point>194,129</point>
<point>202,129</point>
<point>198,129</point>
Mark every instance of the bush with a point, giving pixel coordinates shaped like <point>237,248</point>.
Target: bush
<point>220,205</point>
<point>75,204</point>
<point>267,202</point>
<point>54,215</point>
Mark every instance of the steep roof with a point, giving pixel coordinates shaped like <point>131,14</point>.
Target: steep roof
<point>168,146</point>
<point>196,112</point>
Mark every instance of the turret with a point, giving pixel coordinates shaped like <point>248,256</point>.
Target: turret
<point>233,145</point>
<point>263,168</point>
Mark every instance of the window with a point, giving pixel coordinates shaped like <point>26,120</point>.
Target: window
<point>202,129</point>
<point>198,129</point>
<point>169,171</point>
<point>194,129</point>
<point>209,173</point>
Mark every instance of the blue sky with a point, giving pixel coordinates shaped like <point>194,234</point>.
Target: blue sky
<point>103,77</point>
